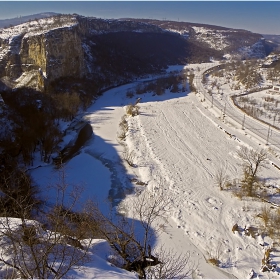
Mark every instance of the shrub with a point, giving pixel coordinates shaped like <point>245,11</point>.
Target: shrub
<point>235,228</point>
<point>124,128</point>
<point>132,110</point>
<point>214,261</point>
<point>266,265</point>
<point>251,231</point>
<point>214,254</point>
<point>123,124</point>
<point>121,135</point>
<point>265,215</point>
<point>129,157</point>
<point>19,196</point>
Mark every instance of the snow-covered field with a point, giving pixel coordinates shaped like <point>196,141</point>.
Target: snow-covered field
<point>178,146</point>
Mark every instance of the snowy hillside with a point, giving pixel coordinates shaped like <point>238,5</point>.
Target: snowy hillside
<point>35,27</point>
<point>21,19</point>
<point>228,41</point>
<point>214,38</point>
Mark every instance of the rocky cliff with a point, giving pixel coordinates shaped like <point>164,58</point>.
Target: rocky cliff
<point>39,52</point>
<point>44,50</point>
<point>36,53</point>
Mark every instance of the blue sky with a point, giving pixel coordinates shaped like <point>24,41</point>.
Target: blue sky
<point>257,16</point>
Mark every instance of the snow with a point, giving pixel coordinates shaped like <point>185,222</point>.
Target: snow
<point>35,27</point>
<point>174,140</point>
<point>179,146</point>
<point>79,175</point>
<point>97,266</point>
<point>256,50</point>
<point>183,32</point>
<point>214,38</point>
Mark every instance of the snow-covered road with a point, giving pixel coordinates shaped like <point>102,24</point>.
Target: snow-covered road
<point>225,105</point>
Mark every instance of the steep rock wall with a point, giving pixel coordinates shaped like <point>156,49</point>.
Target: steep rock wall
<point>64,54</point>
<point>44,56</point>
<point>57,53</point>
<point>33,53</point>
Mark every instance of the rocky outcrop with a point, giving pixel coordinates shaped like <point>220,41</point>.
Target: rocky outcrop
<point>47,55</point>
<point>33,53</point>
<point>36,51</point>
<point>57,54</point>
<point>64,54</point>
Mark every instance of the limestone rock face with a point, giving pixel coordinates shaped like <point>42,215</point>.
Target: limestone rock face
<point>63,54</point>
<point>33,53</point>
<point>57,54</point>
<point>41,56</point>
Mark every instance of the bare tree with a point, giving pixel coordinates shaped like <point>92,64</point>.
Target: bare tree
<point>48,247</point>
<point>172,266</point>
<point>132,238</point>
<point>252,160</point>
<point>221,178</point>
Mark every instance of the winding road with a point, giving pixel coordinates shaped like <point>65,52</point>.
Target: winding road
<point>268,134</point>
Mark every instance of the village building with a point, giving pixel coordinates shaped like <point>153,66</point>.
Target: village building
<point>275,89</point>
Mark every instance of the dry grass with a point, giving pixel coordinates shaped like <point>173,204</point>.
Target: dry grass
<point>121,135</point>
<point>214,253</point>
<point>123,128</point>
<point>129,157</point>
<point>132,110</point>
<point>213,261</point>
<point>239,193</point>
<point>235,228</point>
<point>265,215</point>
<point>123,124</point>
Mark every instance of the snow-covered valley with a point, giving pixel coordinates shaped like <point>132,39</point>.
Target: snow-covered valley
<point>178,146</point>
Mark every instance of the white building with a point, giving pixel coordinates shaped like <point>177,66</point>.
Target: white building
<point>275,89</point>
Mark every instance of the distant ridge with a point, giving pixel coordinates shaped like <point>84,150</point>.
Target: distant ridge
<point>274,38</point>
<point>23,19</point>
<point>274,41</point>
